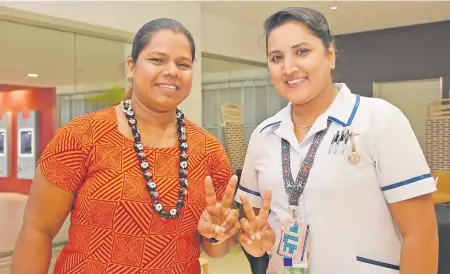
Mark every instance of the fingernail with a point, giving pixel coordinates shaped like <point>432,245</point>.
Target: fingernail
<point>223,229</point>
<point>249,242</point>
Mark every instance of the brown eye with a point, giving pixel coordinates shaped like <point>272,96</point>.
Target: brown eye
<point>276,58</point>
<point>302,51</point>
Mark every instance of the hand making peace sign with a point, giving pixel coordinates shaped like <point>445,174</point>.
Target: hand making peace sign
<point>256,236</point>
<point>219,220</point>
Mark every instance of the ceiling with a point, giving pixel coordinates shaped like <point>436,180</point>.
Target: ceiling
<point>63,58</point>
<point>350,17</point>
<point>59,58</point>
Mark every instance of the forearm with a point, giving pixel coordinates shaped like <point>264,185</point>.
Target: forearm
<point>419,254</point>
<point>32,254</point>
<point>218,250</point>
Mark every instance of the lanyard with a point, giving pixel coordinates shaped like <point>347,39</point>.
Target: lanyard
<point>295,189</point>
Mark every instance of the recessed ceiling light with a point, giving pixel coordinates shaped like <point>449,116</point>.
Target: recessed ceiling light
<point>333,8</point>
<point>33,75</point>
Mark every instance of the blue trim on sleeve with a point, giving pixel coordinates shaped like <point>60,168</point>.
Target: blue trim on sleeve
<point>406,182</point>
<point>249,191</point>
<point>269,125</point>
<point>377,263</point>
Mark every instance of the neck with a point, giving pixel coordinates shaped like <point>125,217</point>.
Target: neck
<point>148,118</point>
<point>306,114</point>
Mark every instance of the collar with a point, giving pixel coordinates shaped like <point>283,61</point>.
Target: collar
<point>342,112</point>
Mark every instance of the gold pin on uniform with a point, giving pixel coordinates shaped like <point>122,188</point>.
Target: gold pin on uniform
<point>354,157</point>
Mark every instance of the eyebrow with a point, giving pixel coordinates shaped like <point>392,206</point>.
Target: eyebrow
<point>185,58</point>
<point>293,47</point>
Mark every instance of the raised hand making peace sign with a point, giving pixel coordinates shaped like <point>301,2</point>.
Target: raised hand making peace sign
<point>219,220</point>
<point>256,236</point>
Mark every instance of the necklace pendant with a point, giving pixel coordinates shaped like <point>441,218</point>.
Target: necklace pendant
<point>354,158</point>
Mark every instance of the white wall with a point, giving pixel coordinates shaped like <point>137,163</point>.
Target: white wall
<point>224,36</point>
<point>130,16</point>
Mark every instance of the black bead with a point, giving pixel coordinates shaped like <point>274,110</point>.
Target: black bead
<point>141,155</point>
<point>138,147</point>
<point>150,185</point>
<point>134,129</point>
<point>129,114</point>
<point>183,173</point>
<point>164,214</point>
<point>126,105</point>
<point>148,175</point>
<point>144,165</point>
<point>137,137</point>
<point>174,216</point>
<point>183,182</point>
<point>183,156</point>
<point>154,195</point>
<point>182,192</point>
<point>156,205</point>
<point>180,203</point>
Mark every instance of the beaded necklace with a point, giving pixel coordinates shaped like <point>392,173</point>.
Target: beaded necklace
<point>145,165</point>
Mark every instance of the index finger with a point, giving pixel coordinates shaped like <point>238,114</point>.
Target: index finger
<point>228,196</point>
<point>247,208</point>
<point>265,209</point>
<point>211,198</point>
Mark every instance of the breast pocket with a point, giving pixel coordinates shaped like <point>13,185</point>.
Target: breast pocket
<point>370,266</point>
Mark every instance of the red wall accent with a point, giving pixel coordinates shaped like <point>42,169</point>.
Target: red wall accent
<point>19,99</point>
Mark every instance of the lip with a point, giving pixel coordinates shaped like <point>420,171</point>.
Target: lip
<point>293,83</point>
<point>168,86</point>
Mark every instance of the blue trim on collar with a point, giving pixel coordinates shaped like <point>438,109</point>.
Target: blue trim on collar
<point>352,115</point>
<point>269,125</point>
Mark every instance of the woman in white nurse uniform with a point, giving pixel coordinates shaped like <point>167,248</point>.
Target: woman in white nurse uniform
<point>361,202</point>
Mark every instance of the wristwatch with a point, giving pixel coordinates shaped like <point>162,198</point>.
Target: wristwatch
<point>213,241</point>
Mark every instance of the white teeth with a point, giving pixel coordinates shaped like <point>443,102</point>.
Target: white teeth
<point>167,86</point>
<point>293,82</point>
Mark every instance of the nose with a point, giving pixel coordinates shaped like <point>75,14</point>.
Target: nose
<point>171,70</point>
<point>289,66</point>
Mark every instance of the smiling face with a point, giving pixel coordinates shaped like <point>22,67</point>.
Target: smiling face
<point>162,73</point>
<point>299,64</point>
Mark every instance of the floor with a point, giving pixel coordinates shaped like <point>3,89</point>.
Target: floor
<point>235,262</point>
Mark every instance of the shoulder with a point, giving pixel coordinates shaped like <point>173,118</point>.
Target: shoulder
<point>200,137</point>
<point>85,126</point>
<point>381,111</point>
<point>270,124</point>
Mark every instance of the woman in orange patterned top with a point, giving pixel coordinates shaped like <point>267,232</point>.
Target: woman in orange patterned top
<point>123,172</point>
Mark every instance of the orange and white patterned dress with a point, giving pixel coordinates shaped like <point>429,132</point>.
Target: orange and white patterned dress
<point>113,226</point>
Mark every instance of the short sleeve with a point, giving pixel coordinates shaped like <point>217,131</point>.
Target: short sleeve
<point>63,161</point>
<point>401,165</point>
<point>248,184</point>
<point>220,170</point>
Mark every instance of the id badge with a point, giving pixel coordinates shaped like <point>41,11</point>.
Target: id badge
<point>294,247</point>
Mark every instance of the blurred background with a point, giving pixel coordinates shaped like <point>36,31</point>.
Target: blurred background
<point>63,59</point>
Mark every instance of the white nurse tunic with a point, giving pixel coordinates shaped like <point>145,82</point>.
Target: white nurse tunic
<point>346,206</point>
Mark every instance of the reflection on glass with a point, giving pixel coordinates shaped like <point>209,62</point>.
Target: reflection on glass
<point>2,142</point>
<point>247,85</point>
<point>26,142</point>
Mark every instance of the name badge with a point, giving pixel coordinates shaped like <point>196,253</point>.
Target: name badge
<point>294,247</point>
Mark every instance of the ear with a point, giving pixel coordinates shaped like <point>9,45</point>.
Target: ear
<point>332,56</point>
<point>130,68</point>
